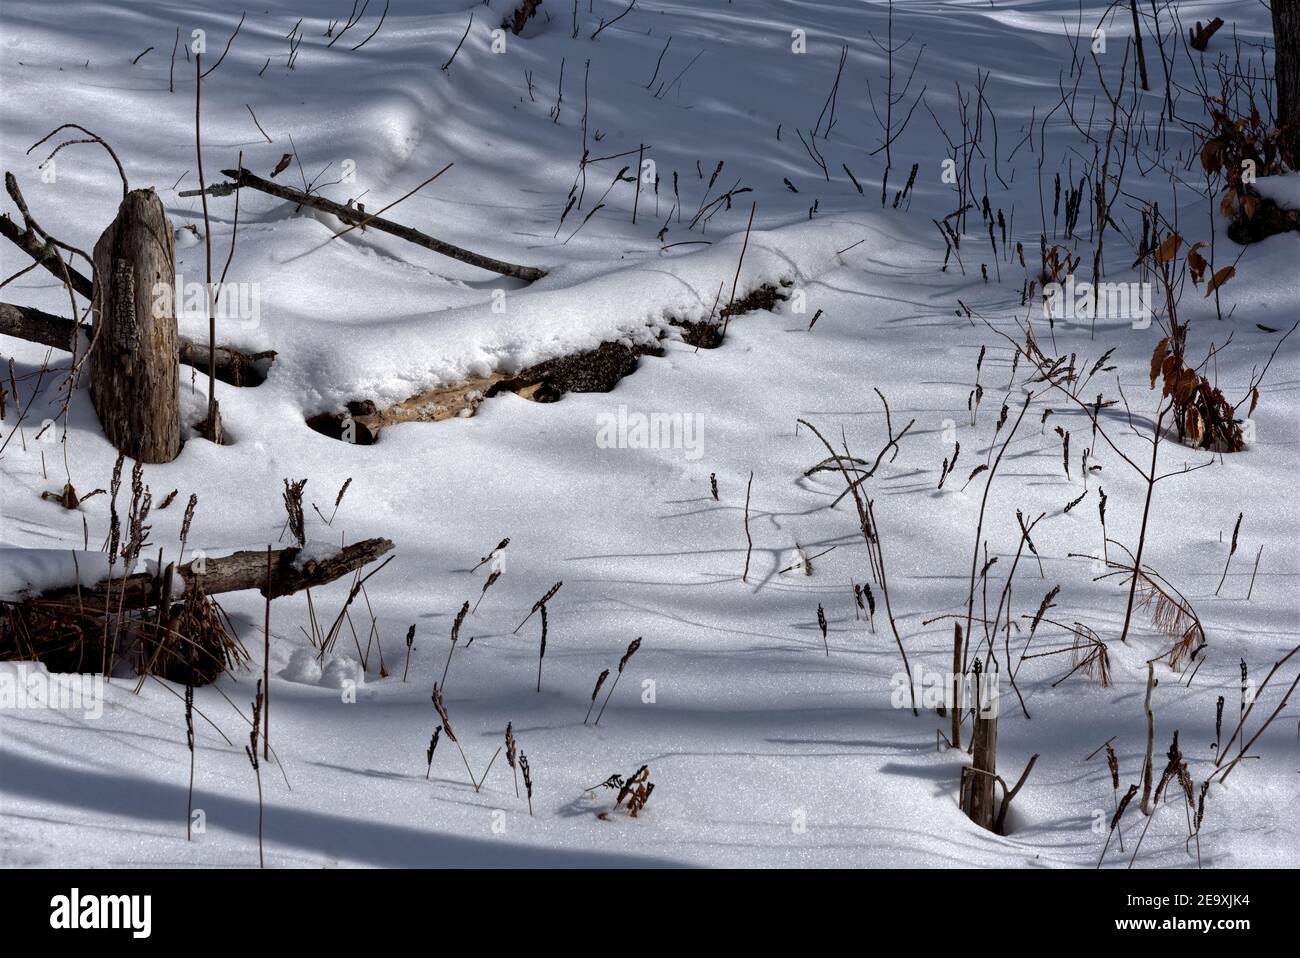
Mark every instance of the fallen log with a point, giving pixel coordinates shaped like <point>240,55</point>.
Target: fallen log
<point>36,326</point>
<point>353,217</point>
<point>168,626</point>
<point>222,574</point>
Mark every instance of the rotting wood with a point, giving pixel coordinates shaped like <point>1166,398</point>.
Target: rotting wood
<point>233,366</point>
<point>597,370</point>
<point>979,780</point>
<point>354,217</point>
<point>1199,36</point>
<point>133,363</point>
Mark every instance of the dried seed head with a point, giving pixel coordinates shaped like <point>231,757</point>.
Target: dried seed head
<point>189,712</point>
<point>189,516</point>
<point>599,682</point>
<point>631,651</point>
<point>342,491</point>
<point>293,507</point>
<point>547,598</point>
<point>441,709</point>
<point>1123,805</point>
<point>1185,780</point>
<point>251,749</point>
<point>460,618</point>
<point>1113,763</point>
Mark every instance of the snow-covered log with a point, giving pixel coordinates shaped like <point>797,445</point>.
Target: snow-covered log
<point>290,571</point>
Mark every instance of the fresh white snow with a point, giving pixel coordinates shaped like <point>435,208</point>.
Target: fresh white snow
<point>765,748</point>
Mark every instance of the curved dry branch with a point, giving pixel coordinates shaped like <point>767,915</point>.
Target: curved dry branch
<point>93,138</point>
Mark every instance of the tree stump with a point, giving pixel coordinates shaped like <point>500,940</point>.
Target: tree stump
<point>978,792</point>
<point>133,363</point>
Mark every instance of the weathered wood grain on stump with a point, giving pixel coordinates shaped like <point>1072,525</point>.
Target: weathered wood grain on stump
<point>133,364</point>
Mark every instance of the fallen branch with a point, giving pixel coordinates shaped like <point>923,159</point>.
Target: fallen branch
<point>353,217</point>
<point>36,326</point>
<point>274,576</point>
<point>46,254</point>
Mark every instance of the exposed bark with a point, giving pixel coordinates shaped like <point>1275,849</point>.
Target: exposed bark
<point>133,364</point>
<point>45,254</point>
<point>1286,46</point>
<point>36,326</point>
<point>232,573</point>
<point>1200,36</point>
<point>353,217</point>
<point>981,778</point>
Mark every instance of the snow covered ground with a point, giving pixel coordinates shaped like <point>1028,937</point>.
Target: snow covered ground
<point>766,746</point>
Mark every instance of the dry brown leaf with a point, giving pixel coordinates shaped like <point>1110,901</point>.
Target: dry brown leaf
<point>1211,156</point>
<point>1169,248</point>
<point>1158,359</point>
<point>1193,425</point>
<point>1185,386</point>
<point>1219,278</point>
<point>1197,263</point>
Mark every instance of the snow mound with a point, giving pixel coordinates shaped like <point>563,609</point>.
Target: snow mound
<point>338,671</point>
